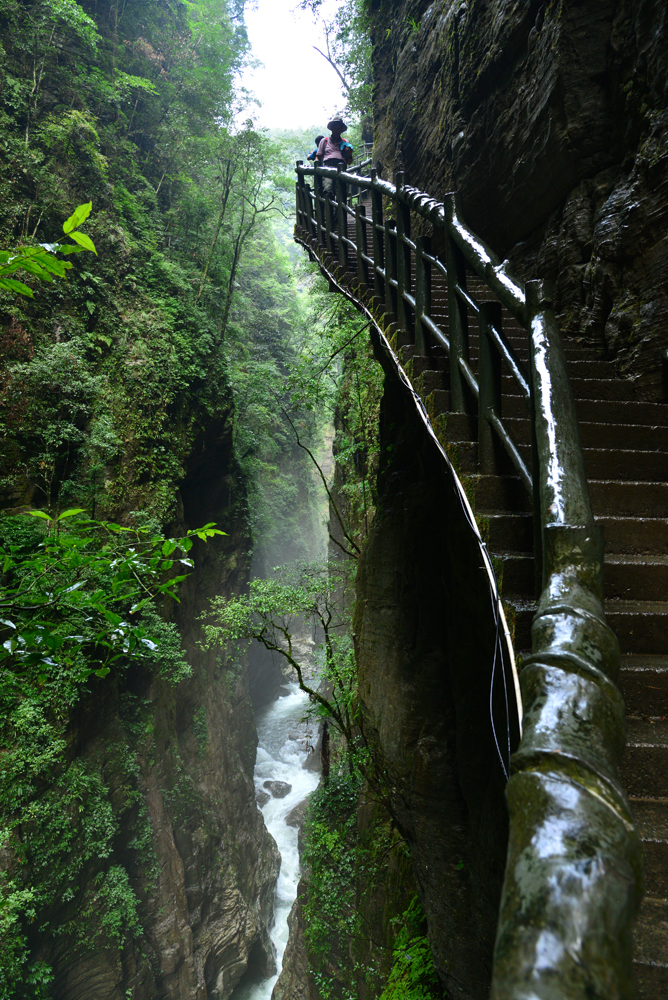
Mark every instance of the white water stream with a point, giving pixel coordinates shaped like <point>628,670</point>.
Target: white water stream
<point>280,754</point>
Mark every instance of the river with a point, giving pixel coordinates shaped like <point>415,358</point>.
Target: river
<point>281,752</point>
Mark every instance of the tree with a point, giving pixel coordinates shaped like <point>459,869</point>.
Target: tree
<point>317,595</point>
<point>348,49</point>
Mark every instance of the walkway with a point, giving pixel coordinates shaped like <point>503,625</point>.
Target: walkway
<point>431,303</point>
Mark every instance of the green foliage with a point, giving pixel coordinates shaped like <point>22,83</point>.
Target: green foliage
<point>337,378</point>
<point>71,605</point>
<point>200,730</point>
<point>413,976</point>
<point>76,605</point>
<point>330,867</point>
<point>139,113</point>
<point>41,261</point>
<point>348,42</point>
<point>314,593</point>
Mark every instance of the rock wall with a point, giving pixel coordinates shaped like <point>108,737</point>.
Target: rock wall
<point>551,121</point>
<point>425,646</point>
<point>179,764</point>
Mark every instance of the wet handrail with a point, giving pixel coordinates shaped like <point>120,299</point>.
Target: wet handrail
<point>475,253</point>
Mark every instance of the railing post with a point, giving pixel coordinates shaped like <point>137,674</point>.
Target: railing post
<point>403,256</point>
<point>422,294</point>
<point>298,196</point>
<point>376,239</point>
<point>328,225</point>
<point>489,383</point>
<point>319,220</point>
<point>304,204</point>
<point>457,313</point>
<point>360,237</point>
<point>341,215</point>
<point>390,267</point>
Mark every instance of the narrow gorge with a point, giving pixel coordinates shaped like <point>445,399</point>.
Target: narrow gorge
<point>309,683</point>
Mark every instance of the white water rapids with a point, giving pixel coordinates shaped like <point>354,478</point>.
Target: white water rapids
<point>280,754</point>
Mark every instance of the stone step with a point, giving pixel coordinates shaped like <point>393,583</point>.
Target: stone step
<point>640,626</point>
<point>644,769</point>
<point>597,389</point>
<point>517,573</point>
<point>431,380</point>
<point>602,411</point>
<point>437,402</point>
<point>462,427</point>
<point>635,535</point>
<point>651,949</point>
<point>617,463</point>
<point>649,466</point>
<point>509,532</point>
<point>627,578</point>
<point>587,368</point>
<point>498,494</point>
<point>638,578</point>
<point>601,435</point>
<point>651,816</point>
<point>628,499</point>
<point>523,611</point>
<point>643,681</point>
<point>619,412</point>
<point>464,456</point>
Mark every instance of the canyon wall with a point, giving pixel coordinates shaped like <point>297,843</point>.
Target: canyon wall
<point>178,762</point>
<point>425,638</point>
<point>551,122</point>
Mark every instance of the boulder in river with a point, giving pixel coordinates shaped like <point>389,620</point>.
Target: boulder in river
<point>296,815</point>
<point>279,789</point>
<point>261,797</point>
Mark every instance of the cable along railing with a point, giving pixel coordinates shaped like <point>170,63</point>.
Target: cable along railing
<point>574,869</point>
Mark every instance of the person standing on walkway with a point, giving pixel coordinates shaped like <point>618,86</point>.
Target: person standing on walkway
<point>332,151</point>
<point>318,139</point>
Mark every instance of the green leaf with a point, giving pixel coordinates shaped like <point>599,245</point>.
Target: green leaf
<point>34,267</point>
<point>102,672</point>
<point>12,285</point>
<point>78,216</point>
<point>71,512</point>
<point>85,242</point>
<point>39,513</point>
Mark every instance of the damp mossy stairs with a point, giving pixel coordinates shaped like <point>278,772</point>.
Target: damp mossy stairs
<point>625,446</point>
<point>625,442</point>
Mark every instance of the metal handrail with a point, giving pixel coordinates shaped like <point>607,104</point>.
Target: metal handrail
<point>463,243</point>
<point>574,870</point>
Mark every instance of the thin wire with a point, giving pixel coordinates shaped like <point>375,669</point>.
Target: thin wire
<point>494,594</point>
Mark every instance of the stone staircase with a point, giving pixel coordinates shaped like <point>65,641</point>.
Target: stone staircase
<point>625,445</point>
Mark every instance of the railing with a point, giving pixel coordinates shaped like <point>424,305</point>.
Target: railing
<point>574,869</point>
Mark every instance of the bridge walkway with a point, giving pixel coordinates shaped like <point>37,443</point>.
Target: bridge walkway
<point>625,451</point>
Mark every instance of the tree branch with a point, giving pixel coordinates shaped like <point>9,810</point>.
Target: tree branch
<point>310,454</point>
<point>336,69</point>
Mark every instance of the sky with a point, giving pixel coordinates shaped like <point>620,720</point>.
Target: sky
<point>296,86</point>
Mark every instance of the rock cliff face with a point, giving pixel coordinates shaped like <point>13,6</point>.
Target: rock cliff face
<point>551,121</point>
<point>179,765</point>
<point>425,645</point>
